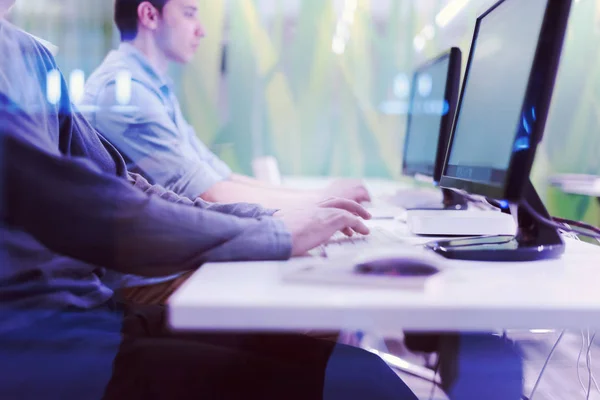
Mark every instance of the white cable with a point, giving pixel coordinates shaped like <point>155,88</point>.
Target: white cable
<point>537,382</point>
<point>579,359</point>
<point>589,365</point>
<point>593,377</point>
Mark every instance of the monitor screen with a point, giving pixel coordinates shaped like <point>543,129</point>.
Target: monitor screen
<point>502,57</point>
<point>428,106</point>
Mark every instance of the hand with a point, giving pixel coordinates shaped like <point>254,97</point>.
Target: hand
<point>313,227</point>
<point>344,204</point>
<point>351,189</point>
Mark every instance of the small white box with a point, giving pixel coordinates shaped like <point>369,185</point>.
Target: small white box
<point>460,223</point>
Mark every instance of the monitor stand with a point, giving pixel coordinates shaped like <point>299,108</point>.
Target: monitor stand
<point>533,241</point>
<point>454,201</point>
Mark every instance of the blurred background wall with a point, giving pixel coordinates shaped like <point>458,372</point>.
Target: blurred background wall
<point>321,84</point>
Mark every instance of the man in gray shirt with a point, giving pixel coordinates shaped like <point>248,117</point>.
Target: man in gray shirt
<point>70,211</point>
<point>131,102</point>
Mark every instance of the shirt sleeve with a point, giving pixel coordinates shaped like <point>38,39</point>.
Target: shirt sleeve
<point>242,210</point>
<point>152,144</point>
<point>208,156</point>
<point>73,208</point>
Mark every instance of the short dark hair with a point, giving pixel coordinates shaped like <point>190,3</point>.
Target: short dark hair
<point>126,16</point>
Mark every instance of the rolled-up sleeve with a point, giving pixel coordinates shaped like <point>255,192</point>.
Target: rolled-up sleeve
<point>151,143</point>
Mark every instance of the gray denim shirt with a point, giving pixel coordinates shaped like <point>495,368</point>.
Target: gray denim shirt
<point>74,211</point>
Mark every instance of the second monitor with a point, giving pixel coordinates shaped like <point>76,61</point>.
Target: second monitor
<point>433,98</point>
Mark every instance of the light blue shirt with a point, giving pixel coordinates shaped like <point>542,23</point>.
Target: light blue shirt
<point>146,125</point>
<point>142,118</point>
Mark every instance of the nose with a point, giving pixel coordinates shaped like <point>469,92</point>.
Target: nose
<point>200,33</point>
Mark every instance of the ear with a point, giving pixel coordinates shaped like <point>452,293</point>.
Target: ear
<point>148,16</point>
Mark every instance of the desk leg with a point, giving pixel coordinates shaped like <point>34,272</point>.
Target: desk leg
<point>480,366</point>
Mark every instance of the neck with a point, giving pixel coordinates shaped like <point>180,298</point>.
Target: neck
<point>5,5</point>
<point>155,56</point>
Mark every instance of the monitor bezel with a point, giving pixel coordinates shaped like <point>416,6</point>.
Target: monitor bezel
<point>454,56</point>
<point>538,96</point>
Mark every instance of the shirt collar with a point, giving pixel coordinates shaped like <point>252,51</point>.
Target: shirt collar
<point>163,81</point>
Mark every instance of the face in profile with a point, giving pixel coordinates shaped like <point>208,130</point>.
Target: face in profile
<point>179,31</point>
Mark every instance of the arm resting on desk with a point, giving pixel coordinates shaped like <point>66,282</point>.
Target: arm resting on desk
<point>75,209</point>
<point>233,191</point>
<point>242,210</point>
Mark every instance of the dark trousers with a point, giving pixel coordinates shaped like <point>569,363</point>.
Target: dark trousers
<point>474,365</point>
<point>88,355</point>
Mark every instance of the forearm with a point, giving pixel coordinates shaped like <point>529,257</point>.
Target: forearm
<point>252,181</point>
<point>242,210</point>
<point>74,209</point>
<point>233,192</point>
<point>256,183</point>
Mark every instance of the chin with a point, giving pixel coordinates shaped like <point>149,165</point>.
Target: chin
<point>184,59</point>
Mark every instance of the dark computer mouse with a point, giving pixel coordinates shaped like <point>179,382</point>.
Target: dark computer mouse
<point>402,265</point>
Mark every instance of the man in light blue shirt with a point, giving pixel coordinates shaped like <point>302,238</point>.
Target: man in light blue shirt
<point>130,100</point>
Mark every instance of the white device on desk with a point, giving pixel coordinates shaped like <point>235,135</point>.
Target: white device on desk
<point>465,223</point>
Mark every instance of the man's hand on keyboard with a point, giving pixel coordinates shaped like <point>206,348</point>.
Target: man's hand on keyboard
<point>312,227</point>
<point>352,189</point>
<point>347,205</point>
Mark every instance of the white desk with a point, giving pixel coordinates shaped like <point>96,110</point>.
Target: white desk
<point>467,296</point>
<point>584,185</point>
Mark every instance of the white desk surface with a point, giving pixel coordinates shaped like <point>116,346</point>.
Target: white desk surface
<point>584,185</point>
<point>582,190</point>
<point>466,296</point>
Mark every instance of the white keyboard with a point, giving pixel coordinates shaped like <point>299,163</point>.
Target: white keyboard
<point>340,244</point>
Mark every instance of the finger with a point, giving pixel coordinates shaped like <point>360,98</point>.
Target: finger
<point>348,232</point>
<point>323,203</point>
<point>356,224</point>
<point>363,195</point>
<point>367,195</point>
<point>348,205</point>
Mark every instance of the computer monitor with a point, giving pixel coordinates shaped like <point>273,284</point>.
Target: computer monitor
<point>433,98</point>
<point>500,120</point>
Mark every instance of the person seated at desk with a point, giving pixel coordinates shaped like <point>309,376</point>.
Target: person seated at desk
<point>154,137</point>
<point>152,133</point>
<point>70,210</point>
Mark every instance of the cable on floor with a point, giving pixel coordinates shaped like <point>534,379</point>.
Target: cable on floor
<point>537,382</point>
